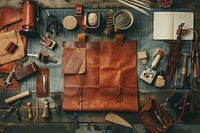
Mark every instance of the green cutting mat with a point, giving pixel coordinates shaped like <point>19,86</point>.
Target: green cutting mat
<point>143,35</point>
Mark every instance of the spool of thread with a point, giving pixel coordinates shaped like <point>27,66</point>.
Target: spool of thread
<point>29,18</point>
<point>18,96</point>
<point>70,22</point>
<point>160,80</point>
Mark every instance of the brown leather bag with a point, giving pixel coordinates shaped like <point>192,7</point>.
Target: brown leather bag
<point>109,82</point>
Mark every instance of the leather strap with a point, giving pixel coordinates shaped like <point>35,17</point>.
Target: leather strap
<point>11,47</point>
<point>25,71</point>
<point>119,39</point>
<point>79,11</point>
<point>173,60</point>
<point>82,39</point>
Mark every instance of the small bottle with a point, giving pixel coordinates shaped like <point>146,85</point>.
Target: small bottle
<point>160,80</point>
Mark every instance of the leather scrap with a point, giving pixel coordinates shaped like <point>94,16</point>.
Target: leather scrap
<point>5,39</point>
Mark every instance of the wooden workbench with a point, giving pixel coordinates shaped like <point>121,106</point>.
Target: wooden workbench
<point>62,123</point>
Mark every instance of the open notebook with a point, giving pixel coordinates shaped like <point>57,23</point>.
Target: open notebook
<point>166,24</point>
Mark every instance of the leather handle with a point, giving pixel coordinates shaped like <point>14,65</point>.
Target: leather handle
<point>82,39</point>
<point>119,39</point>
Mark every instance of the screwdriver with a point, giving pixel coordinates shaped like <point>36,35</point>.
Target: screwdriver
<point>45,58</point>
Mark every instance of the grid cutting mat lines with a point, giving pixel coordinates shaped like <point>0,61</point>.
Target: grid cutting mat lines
<point>143,36</point>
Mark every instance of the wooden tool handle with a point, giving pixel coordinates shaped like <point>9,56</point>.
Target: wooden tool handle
<point>30,116</point>
<point>18,96</point>
<point>46,113</point>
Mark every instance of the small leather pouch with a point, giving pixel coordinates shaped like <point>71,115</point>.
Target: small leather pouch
<point>7,38</point>
<point>42,82</point>
<point>25,71</point>
<point>154,117</point>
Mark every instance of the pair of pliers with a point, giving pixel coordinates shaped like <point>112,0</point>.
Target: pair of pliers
<point>10,110</point>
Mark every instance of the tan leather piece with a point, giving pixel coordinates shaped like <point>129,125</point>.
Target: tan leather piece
<point>110,81</point>
<point>5,39</point>
<point>73,60</point>
<point>91,77</point>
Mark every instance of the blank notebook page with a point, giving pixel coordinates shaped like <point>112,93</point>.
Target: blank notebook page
<point>166,24</point>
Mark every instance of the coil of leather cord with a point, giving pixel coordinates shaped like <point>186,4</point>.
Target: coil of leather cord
<point>53,25</point>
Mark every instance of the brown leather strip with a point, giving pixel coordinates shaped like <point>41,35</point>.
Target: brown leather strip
<point>40,92</point>
<point>82,39</point>
<point>11,47</point>
<point>25,71</point>
<point>119,39</point>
